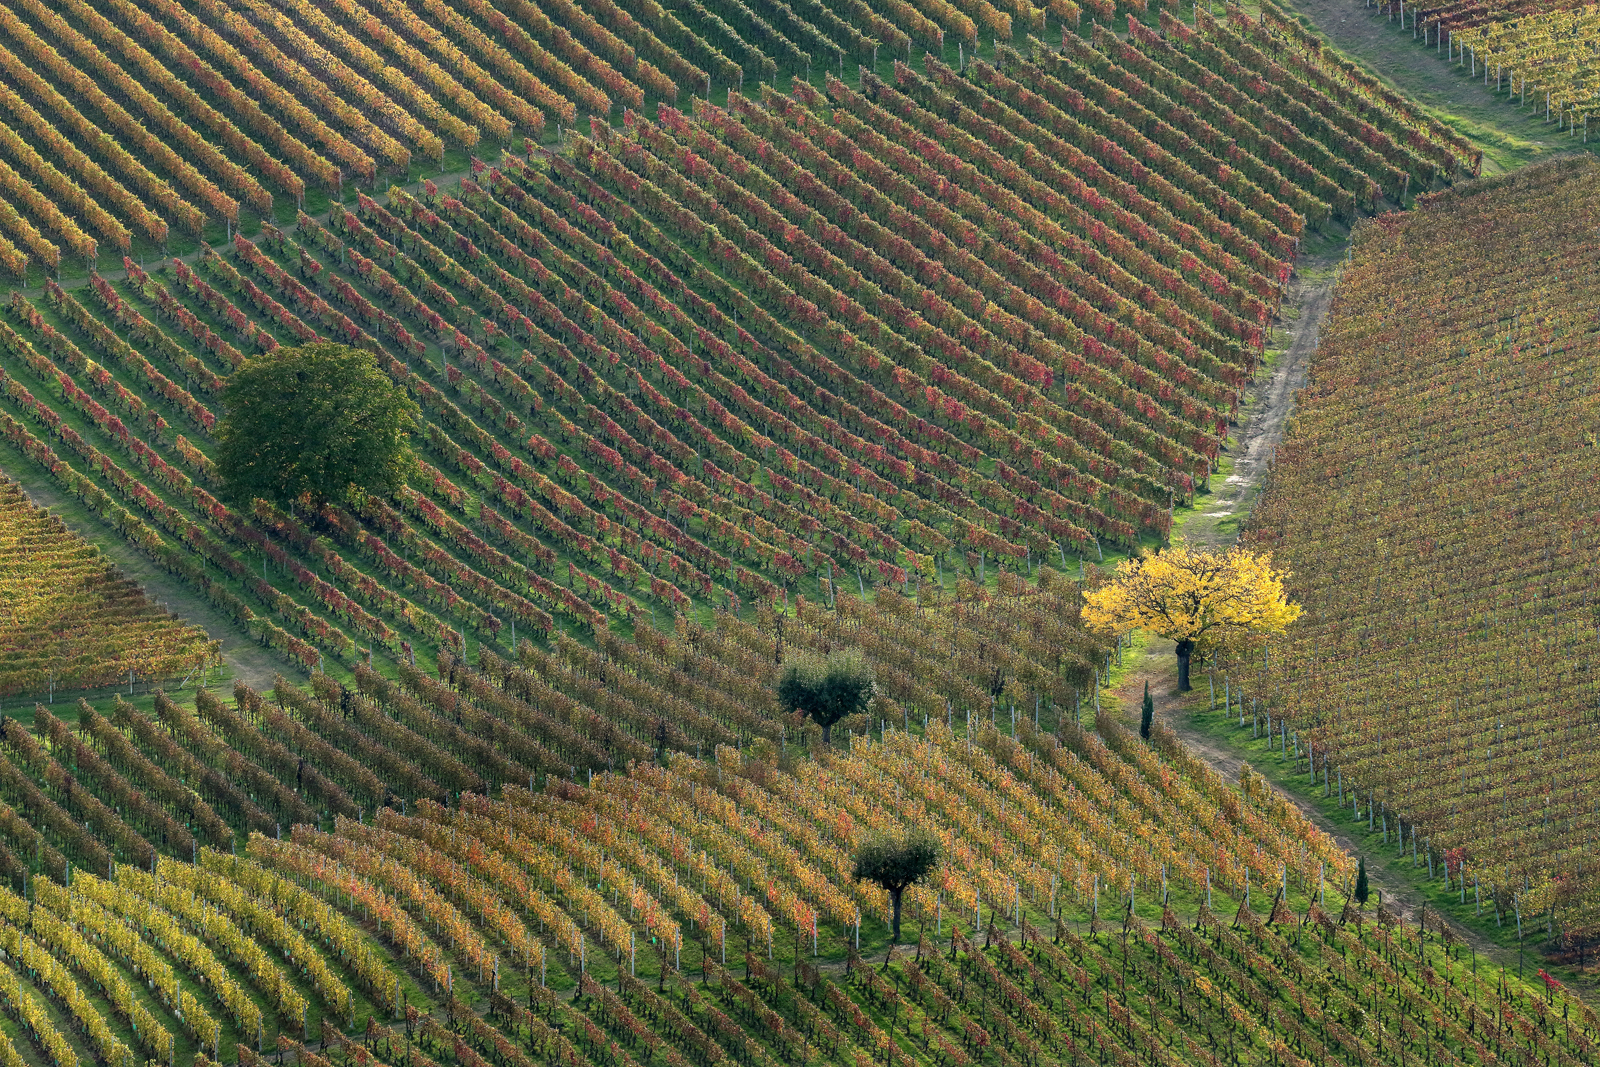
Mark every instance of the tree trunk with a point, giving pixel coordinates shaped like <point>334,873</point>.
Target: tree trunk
<point>895,898</point>
<point>1184,650</point>
<point>827,735</point>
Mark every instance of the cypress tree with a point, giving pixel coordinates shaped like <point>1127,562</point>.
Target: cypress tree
<point>1362,892</point>
<point>1148,717</point>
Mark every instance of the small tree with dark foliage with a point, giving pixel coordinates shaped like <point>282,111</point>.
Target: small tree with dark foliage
<point>1362,892</point>
<point>827,690</point>
<point>1147,717</point>
<point>896,863</point>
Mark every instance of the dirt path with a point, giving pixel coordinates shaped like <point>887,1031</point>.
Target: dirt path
<point>1268,406</point>
<point>117,274</point>
<point>247,661</point>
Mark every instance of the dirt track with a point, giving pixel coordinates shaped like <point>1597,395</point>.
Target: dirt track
<point>1271,403</point>
<point>248,661</point>
<point>1269,406</point>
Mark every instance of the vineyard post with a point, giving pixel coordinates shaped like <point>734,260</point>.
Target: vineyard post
<point>858,931</point>
<point>813,933</point>
<point>1322,884</point>
<point>1227,694</point>
<point>1208,888</point>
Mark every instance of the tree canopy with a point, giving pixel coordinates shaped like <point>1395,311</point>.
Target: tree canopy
<point>896,863</point>
<point>827,690</point>
<point>314,423</point>
<point>1202,600</point>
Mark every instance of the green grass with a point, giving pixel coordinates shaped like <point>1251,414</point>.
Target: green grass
<point>1510,136</point>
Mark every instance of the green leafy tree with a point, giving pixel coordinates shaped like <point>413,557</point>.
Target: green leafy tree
<point>1147,716</point>
<point>827,690</point>
<point>1362,891</point>
<point>897,863</point>
<point>315,423</point>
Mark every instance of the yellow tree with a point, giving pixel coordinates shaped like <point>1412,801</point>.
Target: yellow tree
<point>1202,600</point>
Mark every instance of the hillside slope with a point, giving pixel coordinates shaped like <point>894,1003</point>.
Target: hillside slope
<point>1435,500</point>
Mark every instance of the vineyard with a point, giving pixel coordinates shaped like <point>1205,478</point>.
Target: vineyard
<point>68,620</point>
<point>1105,901</point>
<point>1435,501</point>
<point>745,333</point>
<point>128,128</point>
<point>874,338</point>
<point>1437,24</point>
<point>1556,55</point>
<point>1549,48</point>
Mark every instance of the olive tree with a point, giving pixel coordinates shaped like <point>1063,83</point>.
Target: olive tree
<point>896,863</point>
<point>827,690</point>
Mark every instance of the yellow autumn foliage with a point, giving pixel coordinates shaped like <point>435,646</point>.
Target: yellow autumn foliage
<point>1204,600</point>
